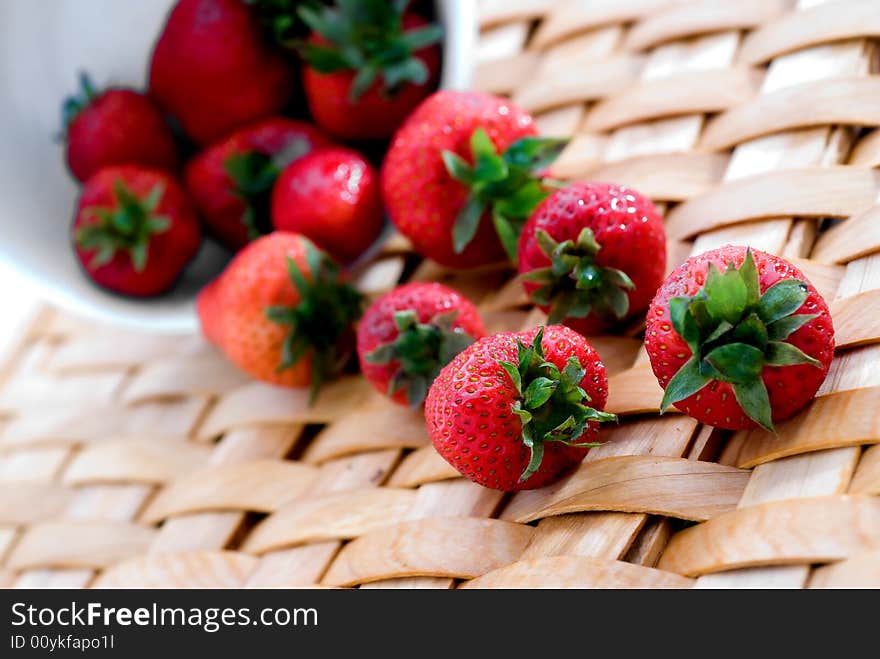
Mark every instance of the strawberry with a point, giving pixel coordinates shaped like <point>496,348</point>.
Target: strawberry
<point>593,254</point>
<point>739,338</point>
<point>231,180</point>
<point>367,65</point>
<point>410,333</point>
<point>212,69</point>
<point>282,312</point>
<point>115,127</point>
<point>513,410</point>
<point>446,206</point>
<point>332,196</point>
<point>135,230</point>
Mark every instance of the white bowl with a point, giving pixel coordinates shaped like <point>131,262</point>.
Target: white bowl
<point>43,46</point>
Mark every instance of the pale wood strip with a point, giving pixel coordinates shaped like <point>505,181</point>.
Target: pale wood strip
<point>634,391</point>
<point>560,122</point>
<point>379,276</point>
<point>503,41</point>
<point>851,239</point>
<point>583,153</point>
<point>789,577</point>
<point>492,12</point>
<point>866,152</point>
<point>128,349</point>
<point>856,319</point>
<point>602,535</point>
<point>197,569</point>
<point>577,572</point>
<point>71,578</point>
<point>355,471</point>
<point>33,392</point>
<point>258,404</point>
<point>135,460</point>
<point>203,371</point>
<point>853,369</point>
<point>861,571</point>
<point>685,489</point>
<point>779,533</point>
<point>423,465</point>
<point>580,84</point>
<point>381,424</point>
<point>701,17</point>
<point>78,544</point>
<point>27,503</point>
<point>841,419</point>
<point>75,425</point>
<point>572,16</point>
<point>812,26</point>
<point>809,192</point>
<point>846,101</point>
<point>8,536</point>
<point>663,177</point>
<point>259,486</point>
<point>685,93</point>
<point>411,583</point>
<point>299,566</point>
<point>650,543</point>
<point>825,277</point>
<point>867,477</point>
<point>441,546</point>
<point>33,464</point>
<point>337,516</point>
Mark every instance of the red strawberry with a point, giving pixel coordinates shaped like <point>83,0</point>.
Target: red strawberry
<point>115,127</point>
<point>213,70</point>
<point>331,196</point>
<point>739,338</point>
<point>445,206</point>
<point>282,312</point>
<point>231,180</point>
<point>135,230</point>
<point>511,412</point>
<point>367,66</point>
<point>410,333</point>
<point>593,254</point>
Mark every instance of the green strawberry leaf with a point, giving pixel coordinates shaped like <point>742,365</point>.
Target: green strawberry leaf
<point>754,401</point>
<point>782,299</point>
<point>687,381</point>
<point>734,362</point>
<point>466,224</point>
<point>785,327</point>
<point>780,353</point>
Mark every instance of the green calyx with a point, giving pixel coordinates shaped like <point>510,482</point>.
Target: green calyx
<point>509,185</point>
<point>128,227</point>
<point>734,331</point>
<point>551,404</point>
<point>280,18</point>
<point>326,311</point>
<point>253,175</point>
<point>76,103</point>
<point>368,37</point>
<point>421,349</point>
<point>574,286</point>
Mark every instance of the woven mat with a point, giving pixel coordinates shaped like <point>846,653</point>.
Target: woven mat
<point>132,460</point>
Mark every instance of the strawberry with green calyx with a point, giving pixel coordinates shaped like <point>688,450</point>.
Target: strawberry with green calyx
<point>462,174</point>
<point>507,185</point>
<point>367,64</point>
<point>409,334</point>
<point>593,254</point>
<point>135,230</point>
<point>515,410</point>
<point>738,338</point>
<point>282,312</point>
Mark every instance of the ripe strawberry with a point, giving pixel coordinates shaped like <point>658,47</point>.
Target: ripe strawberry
<point>231,180</point>
<point>447,207</point>
<point>212,69</point>
<point>367,65</point>
<point>282,312</point>
<point>332,197</point>
<point>115,127</point>
<point>593,254</point>
<point>511,412</point>
<point>135,230</point>
<point>739,338</point>
<point>410,333</point>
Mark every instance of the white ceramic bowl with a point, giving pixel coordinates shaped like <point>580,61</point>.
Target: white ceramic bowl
<point>43,46</point>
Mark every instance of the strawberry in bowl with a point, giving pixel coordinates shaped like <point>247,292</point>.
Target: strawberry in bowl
<point>739,338</point>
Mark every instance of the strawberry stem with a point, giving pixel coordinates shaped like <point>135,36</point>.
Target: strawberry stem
<point>421,350</point>
<point>321,319</point>
<point>574,286</point>
<point>508,185</point>
<point>129,226</point>
<point>734,331</point>
<point>77,102</point>
<point>551,404</point>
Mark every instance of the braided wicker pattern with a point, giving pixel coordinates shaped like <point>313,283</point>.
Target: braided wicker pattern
<point>130,460</point>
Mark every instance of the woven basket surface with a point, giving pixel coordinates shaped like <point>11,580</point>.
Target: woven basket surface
<point>141,460</point>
